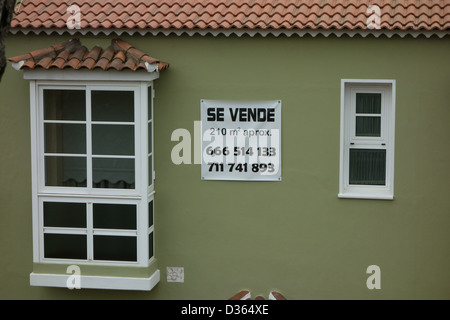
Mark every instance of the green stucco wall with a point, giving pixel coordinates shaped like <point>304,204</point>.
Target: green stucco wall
<point>294,236</point>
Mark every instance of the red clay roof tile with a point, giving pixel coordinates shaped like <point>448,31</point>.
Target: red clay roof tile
<point>238,14</point>
<point>72,54</point>
<point>60,60</point>
<point>29,64</point>
<point>44,62</point>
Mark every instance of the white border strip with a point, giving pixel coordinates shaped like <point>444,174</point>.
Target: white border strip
<point>238,32</point>
<point>85,74</point>
<point>96,282</point>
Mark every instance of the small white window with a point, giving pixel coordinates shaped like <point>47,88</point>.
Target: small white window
<point>367,139</point>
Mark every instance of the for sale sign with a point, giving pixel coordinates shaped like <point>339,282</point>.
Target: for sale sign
<point>241,140</point>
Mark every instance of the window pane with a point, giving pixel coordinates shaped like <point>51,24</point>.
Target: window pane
<point>65,105</point>
<point>65,171</point>
<point>113,139</point>
<point>116,248</point>
<point>150,213</point>
<point>114,216</point>
<point>150,170</point>
<point>368,103</point>
<point>150,150</point>
<point>65,246</point>
<point>65,138</point>
<point>150,245</point>
<point>112,106</point>
<point>149,102</point>
<point>113,173</point>
<point>368,126</point>
<point>367,166</point>
<point>61,214</point>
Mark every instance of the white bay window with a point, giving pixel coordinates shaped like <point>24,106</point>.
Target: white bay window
<point>91,116</point>
<point>92,170</point>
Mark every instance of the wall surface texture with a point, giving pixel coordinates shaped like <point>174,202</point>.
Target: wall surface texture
<point>295,236</point>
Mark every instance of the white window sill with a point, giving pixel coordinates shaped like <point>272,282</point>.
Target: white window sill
<point>96,282</point>
<point>365,196</point>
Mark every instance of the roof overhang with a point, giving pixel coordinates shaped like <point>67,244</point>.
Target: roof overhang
<point>240,32</point>
<point>70,60</point>
<point>89,75</point>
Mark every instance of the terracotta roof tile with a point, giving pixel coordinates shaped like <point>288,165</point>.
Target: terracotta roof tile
<point>237,14</point>
<point>60,60</point>
<point>44,62</point>
<point>72,54</point>
<point>29,64</point>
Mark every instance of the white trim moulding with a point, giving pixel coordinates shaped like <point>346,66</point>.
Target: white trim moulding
<point>93,75</point>
<point>96,282</point>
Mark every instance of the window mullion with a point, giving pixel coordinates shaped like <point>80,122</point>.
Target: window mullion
<point>89,227</point>
<point>40,140</point>
<point>89,140</point>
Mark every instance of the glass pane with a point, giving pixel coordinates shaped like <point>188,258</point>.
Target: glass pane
<point>113,139</point>
<point>116,248</point>
<point>149,102</point>
<point>113,173</point>
<point>112,106</point>
<point>368,126</point>
<point>65,246</point>
<point>65,138</point>
<point>150,170</point>
<point>65,105</point>
<point>150,214</point>
<point>150,245</point>
<point>367,166</point>
<point>368,103</point>
<point>62,214</point>
<point>65,171</point>
<point>150,150</point>
<point>114,216</point>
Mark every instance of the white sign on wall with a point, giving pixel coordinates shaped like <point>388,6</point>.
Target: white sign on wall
<point>241,140</point>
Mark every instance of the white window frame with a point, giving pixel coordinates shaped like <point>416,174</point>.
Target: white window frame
<point>348,139</point>
<point>141,196</point>
<point>88,87</point>
<point>90,232</point>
